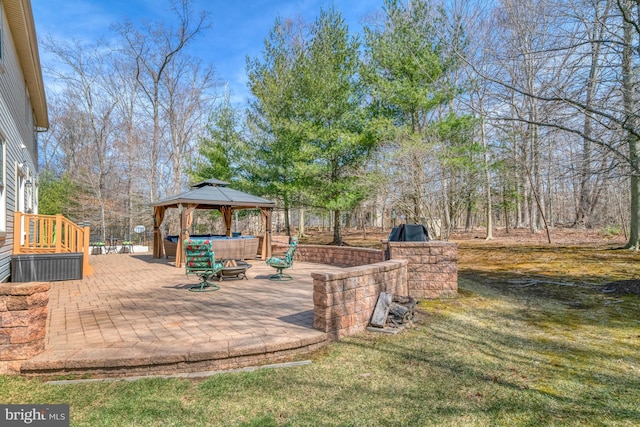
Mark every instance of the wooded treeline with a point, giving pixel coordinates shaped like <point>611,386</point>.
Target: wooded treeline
<point>519,113</point>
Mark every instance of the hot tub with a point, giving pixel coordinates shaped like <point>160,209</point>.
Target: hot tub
<point>224,247</point>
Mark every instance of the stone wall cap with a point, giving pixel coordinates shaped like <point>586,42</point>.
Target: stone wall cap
<point>361,270</point>
<point>26,288</point>
<point>424,244</point>
<point>351,248</point>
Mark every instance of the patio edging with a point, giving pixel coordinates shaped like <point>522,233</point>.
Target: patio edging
<point>162,360</point>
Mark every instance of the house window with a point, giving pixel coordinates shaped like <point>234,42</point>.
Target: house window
<point>1,35</point>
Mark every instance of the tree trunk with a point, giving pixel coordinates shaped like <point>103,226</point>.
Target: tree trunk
<point>301,223</point>
<point>586,201</point>
<point>155,146</point>
<point>469,213</point>
<point>534,175</point>
<point>287,224</point>
<point>487,175</point>
<point>506,211</point>
<point>628,96</point>
<point>337,237</point>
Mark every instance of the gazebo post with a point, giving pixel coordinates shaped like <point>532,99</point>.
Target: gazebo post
<point>158,217</point>
<point>181,210</point>
<point>266,242</point>
<point>186,219</point>
<point>226,212</point>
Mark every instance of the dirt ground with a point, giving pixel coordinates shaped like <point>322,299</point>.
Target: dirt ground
<point>471,246</point>
<point>565,237</point>
<point>559,236</point>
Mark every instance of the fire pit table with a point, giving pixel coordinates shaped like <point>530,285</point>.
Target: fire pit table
<point>234,268</point>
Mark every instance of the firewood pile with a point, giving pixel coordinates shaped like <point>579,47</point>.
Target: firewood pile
<point>393,311</point>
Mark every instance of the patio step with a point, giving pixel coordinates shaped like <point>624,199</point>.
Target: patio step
<point>124,359</point>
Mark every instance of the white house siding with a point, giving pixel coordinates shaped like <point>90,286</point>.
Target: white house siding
<point>17,130</point>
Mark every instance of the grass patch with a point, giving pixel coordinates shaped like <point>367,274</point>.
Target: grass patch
<point>531,341</point>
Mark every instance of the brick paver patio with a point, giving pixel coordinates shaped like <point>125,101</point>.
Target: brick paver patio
<point>135,315</point>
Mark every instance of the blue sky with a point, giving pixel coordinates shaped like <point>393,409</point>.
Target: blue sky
<point>239,27</point>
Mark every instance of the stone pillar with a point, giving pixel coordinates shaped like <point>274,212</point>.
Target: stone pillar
<point>23,323</point>
<point>433,267</point>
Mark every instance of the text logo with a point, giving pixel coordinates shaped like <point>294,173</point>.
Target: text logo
<point>34,415</point>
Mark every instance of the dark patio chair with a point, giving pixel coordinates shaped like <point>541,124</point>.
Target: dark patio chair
<point>201,261</point>
<point>280,263</point>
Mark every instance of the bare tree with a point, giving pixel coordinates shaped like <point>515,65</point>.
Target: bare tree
<point>109,101</point>
<point>186,106</point>
<point>527,65</point>
<point>593,15</point>
<point>630,103</point>
<point>90,108</point>
<point>593,92</point>
<point>129,140</point>
<point>154,48</point>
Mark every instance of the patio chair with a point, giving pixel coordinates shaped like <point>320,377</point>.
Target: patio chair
<point>285,262</point>
<point>201,261</point>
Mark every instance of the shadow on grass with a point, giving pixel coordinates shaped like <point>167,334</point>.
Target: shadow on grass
<point>493,369</point>
<point>532,341</point>
<point>553,298</point>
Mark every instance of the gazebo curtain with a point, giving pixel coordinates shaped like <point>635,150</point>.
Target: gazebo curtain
<point>186,219</point>
<point>158,217</point>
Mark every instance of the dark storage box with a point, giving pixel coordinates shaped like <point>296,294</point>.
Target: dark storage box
<point>46,267</point>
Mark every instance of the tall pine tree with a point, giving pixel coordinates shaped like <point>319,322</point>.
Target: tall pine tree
<point>335,122</point>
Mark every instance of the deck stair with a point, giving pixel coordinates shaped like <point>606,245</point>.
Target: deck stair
<point>35,234</point>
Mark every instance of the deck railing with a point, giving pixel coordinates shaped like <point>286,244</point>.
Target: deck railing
<point>50,234</point>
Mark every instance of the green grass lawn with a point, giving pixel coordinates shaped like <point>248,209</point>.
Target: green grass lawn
<point>523,349</point>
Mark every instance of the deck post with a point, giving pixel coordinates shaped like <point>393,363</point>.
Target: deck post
<point>86,267</point>
<point>17,232</point>
<point>57,233</point>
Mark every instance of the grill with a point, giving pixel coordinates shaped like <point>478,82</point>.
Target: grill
<point>409,233</point>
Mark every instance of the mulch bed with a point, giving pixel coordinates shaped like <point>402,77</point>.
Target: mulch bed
<point>623,287</point>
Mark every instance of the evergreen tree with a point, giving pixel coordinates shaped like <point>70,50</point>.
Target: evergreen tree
<point>220,151</point>
<point>409,66</point>
<point>277,149</point>
<point>56,195</point>
<point>333,118</point>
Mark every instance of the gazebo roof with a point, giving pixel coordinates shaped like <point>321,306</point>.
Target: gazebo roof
<point>213,194</point>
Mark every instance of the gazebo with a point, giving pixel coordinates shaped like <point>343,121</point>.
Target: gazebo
<point>209,194</point>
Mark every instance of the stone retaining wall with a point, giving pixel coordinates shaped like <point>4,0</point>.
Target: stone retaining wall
<point>340,256</point>
<point>23,323</point>
<point>343,302</point>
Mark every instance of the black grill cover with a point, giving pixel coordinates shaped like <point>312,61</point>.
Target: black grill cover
<point>409,233</point>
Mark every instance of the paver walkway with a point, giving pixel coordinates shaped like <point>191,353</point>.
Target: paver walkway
<point>135,315</point>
